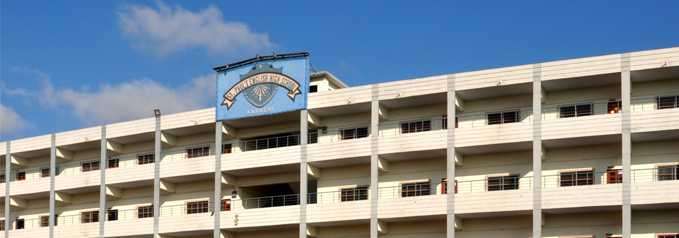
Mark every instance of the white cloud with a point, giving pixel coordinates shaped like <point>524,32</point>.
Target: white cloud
<point>133,99</point>
<point>166,30</point>
<point>10,120</point>
<point>122,101</point>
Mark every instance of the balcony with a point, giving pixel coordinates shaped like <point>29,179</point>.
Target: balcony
<point>412,142</point>
<point>32,228</point>
<point>128,174</point>
<point>393,203</point>
<point>652,186</point>
<point>128,224</point>
<point>478,132</point>
<point>239,217</point>
<point>175,219</point>
<point>339,149</point>
<point>592,190</point>
<point>332,207</point>
<point>176,162</point>
<point>31,185</point>
<point>474,197</point>
<point>264,152</point>
<point>75,178</point>
<point>71,226</point>
<point>646,117</point>
<point>340,97</point>
<point>582,123</point>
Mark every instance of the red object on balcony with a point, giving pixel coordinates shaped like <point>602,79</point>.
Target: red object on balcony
<point>613,176</point>
<point>444,186</point>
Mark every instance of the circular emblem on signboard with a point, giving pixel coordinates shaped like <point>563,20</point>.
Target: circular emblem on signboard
<point>260,84</point>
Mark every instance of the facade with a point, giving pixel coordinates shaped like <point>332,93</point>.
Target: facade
<point>600,160</point>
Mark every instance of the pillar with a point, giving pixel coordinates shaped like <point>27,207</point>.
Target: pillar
<point>626,146</point>
<point>8,172</point>
<point>374,161</point>
<point>102,181</point>
<point>156,175</point>
<point>303,182</point>
<point>216,208</point>
<point>53,170</point>
<point>537,150</point>
<point>450,158</point>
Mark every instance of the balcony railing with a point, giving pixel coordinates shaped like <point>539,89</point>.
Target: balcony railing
<point>397,192</point>
<point>579,178</point>
<point>271,201</point>
<point>655,175</point>
<point>482,185</point>
<point>276,141</point>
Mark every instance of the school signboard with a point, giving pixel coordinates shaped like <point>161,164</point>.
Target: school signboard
<point>264,85</point>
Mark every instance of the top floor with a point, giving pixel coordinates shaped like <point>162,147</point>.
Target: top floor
<point>654,74</point>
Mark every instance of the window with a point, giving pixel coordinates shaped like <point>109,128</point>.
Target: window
<point>112,214</point>
<point>313,88</point>
<point>674,235</point>
<point>146,159</point>
<point>197,207</point>
<point>89,217</point>
<point>503,117</point>
<point>500,183</point>
<point>576,178</point>
<point>614,106</point>
<point>45,172</point>
<point>668,102</point>
<point>578,110</point>
<point>226,149</point>
<point>444,186</point>
<point>354,194</point>
<point>198,152</point>
<point>89,166</point>
<point>415,126</point>
<point>2,178</point>
<point>415,189</point>
<point>354,133</point>
<point>113,163</point>
<point>44,221</point>
<point>668,173</point>
<point>21,176</point>
<point>20,223</point>
<point>613,176</point>
<point>2,225</point>
<point>226,205</point>
<point>145,211</point>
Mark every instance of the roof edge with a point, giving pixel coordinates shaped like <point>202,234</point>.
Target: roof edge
<point>331,77</point>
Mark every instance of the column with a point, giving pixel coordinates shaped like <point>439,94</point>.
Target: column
<point>156,174</point>
<point>450,158</point>
<point>537,150</point>
<point>8,172</point>
<point>53,170</point>
<point>216,208</point>
<point>102,182</point>
<point>626,146</point>
<point>374,171</point>
<point>303,138</point>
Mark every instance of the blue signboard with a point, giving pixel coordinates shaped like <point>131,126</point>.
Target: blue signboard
<point>262,86</point>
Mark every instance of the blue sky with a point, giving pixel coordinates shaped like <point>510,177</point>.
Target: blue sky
<point>66,65</point>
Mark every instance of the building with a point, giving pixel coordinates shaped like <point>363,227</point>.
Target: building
<point>601,160</point>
